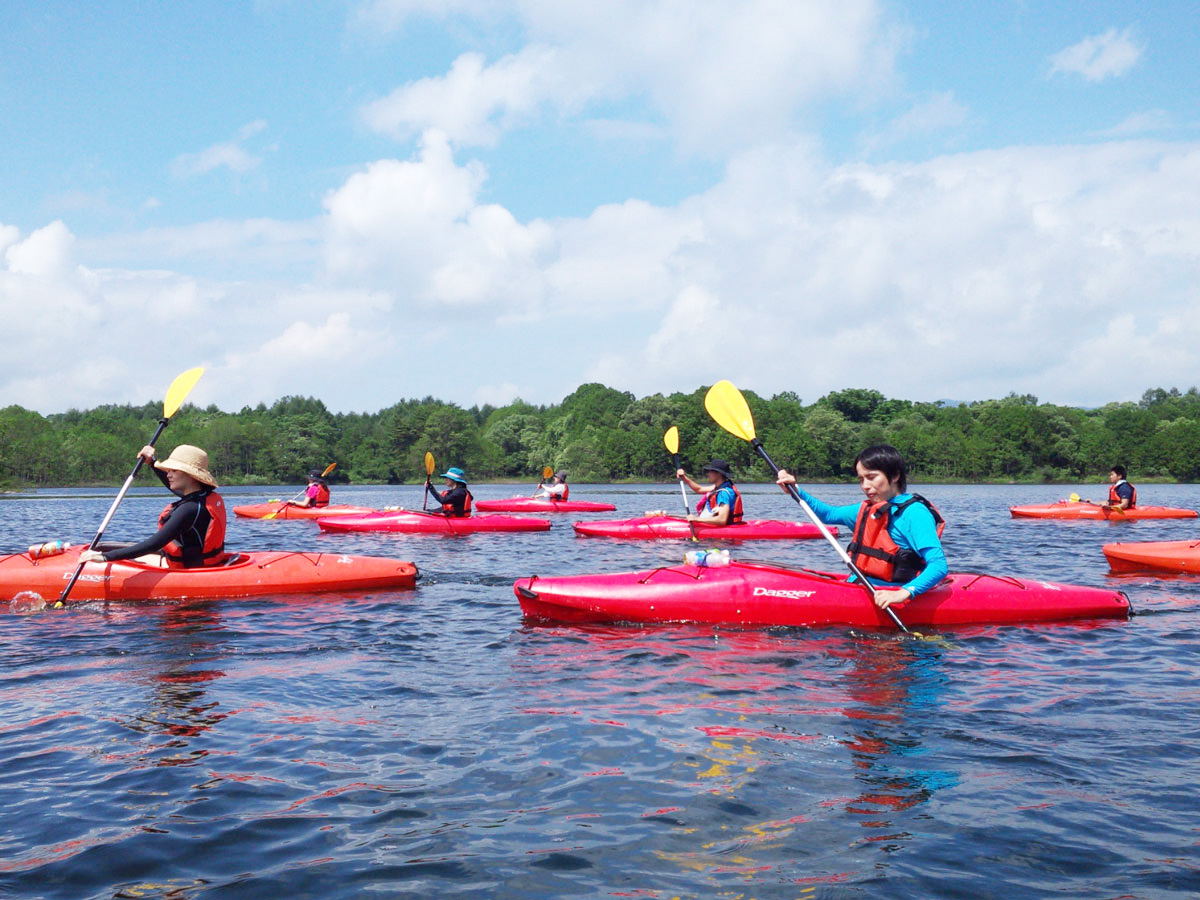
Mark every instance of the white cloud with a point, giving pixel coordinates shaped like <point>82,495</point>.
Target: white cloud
<point>966,276</point>
<point>1098,56</point>
<point>229,154</point>
<point>473,102</point>
<point>719,74</point>
<point>1138,123</point>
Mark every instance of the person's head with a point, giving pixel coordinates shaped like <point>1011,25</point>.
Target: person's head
<point>882,473</point>
<point>187,470</point>
<point>315,477</point>
<point>560,477</point>
<point>454,475</point>
<point>1117,473</point>
<point>717,472</point>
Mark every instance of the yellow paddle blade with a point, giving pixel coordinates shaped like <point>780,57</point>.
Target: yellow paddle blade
<point>329,468</point>
<point>179,389</point>
<point>728,409</point>
<point>671,439</point>
<point>547,473</point>
<point>429,464</point>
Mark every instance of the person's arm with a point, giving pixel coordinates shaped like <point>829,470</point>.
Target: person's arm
<point>437,495</point>
<point>719,515</point>
<point>920,533</point>
<point>845,516</point>
<point>170,531</point>
<point>694,485</point>
<point>1125,492</point>
<point>310,498</point>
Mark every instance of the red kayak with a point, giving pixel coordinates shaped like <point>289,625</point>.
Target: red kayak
<point>413,522</point>
<point>1083,509</point>
<point>1154,556</point>
<point>246,575</point>
<point>653,528</point>
<point>531,505</point>
<point>764,594</point>
<point>288,511</point>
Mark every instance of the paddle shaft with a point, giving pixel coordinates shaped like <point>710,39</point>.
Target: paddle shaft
<point>137,467</point>
<point>687,509</point>
<point>795,495</point>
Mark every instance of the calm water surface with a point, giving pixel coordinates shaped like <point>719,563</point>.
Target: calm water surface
<point>427,743</point>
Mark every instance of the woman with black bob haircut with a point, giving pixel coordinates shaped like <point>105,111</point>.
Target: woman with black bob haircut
<point>896,536</point>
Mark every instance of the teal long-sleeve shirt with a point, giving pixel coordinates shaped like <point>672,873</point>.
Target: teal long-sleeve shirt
<point>914,529</point>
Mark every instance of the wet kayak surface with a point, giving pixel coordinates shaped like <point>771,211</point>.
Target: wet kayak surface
<point>430,743</point>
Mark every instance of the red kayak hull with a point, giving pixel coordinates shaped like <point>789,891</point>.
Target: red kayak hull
<point>286,511</point>
<point>1154,556</point>
<point>408,522</point>
<point>1067,509</point>
<point>248,575</point>
<point>530,505</point>
<point>761,594</point>
<point>654,528</point>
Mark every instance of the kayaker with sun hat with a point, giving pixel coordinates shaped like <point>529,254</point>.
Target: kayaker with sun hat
<point>897,536</point>
<point>317,492</point>
<point>722,502</point>
<point>457,501</point>
<point>191,531</point>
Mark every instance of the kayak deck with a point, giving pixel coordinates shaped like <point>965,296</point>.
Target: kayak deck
<point>653,528</point>
<point>249,574</point>
<point>1154,556</point>
<point>412,522</point>
<point>764,594</point>
<point>283,510</point>
<point>1087,511</point>
<point>533,505</point>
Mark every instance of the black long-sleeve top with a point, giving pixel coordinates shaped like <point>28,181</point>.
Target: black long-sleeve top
<point>456,497</point>
<point>187,521</point>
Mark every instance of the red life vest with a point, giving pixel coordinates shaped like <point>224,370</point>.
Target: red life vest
<point>322,498</point>
<point>449,510</point>
<point>203,542</point>
<point>1115,499</point>
<point>566,492</point>
<point>875,553</point>
<point>735,514</point>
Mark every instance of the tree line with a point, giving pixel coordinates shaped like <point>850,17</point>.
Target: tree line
<point>601,434</point>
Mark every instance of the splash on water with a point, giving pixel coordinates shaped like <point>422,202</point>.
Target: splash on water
<point>27,602</point>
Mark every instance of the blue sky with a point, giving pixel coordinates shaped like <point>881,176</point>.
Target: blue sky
<point>370,200</point>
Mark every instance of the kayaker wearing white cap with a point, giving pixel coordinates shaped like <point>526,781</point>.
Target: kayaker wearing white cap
<point>722,503</point>
<point>455,502</point>
<point>191,531</point>
<point>557,489</point>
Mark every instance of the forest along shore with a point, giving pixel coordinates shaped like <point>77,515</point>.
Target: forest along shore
<point>600,434</point>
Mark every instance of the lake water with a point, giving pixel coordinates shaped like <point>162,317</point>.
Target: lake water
<point>428,743</point>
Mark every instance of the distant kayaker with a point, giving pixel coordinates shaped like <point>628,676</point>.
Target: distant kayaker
<point>722,502</point>
<point>317,492</point>
<point>896,538</point>
<point>556,489</point>
<point>457,501</point>
<point>191,531</point>
<point>1121,494</point>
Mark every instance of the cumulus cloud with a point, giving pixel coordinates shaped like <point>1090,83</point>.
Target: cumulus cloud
<point>1098,56</point>
<point>719,74</point>
<point>966,276</point>
<point>473,102</point>
<point>228,154</point>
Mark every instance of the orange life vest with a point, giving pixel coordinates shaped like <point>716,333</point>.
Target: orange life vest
<point>1115,499</point>
<point>735,514</point>
<point>203,543</point>
<point>322,498</point>
<point>875,553</point>
<point>448,508</point>
<point>566,492</point>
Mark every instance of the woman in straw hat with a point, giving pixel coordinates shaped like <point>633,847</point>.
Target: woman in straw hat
<point>191,531</point>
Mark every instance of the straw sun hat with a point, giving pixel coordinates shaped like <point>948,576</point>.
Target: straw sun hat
<point>191,461</point>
